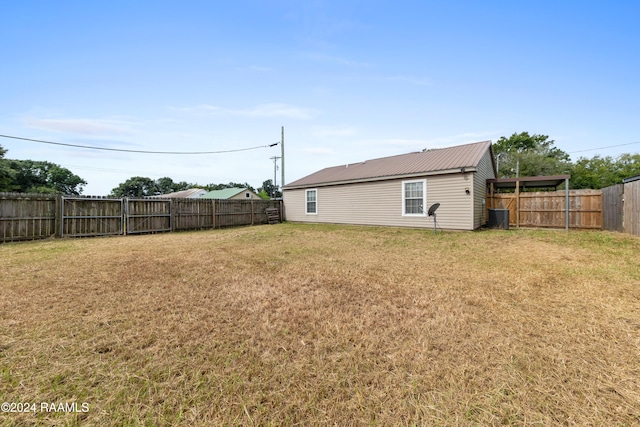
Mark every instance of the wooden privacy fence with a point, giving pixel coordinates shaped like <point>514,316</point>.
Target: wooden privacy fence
<point>39,216</point>
<point>28,216</point>
<point>548,208</point>
<point>86,217</point>
<point>631,211</point>
<point>621,207</point>
<point>612,200</point>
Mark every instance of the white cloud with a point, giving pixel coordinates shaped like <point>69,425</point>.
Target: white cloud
<point>318,151</point>
<point>262,110</point>
<point>80,126</point>
<point>408,144</point>
<point>330,132</point>
<point>462,138</point>
<point>276,110</point>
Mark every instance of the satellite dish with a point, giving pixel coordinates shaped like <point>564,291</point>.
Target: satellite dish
<point>432,212</point>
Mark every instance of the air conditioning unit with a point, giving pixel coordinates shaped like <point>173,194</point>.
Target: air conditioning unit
<point>499,218</point>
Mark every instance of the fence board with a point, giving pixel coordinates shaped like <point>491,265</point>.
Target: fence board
<point>27,216</point>
<point>632,207</point>
<point>88,217</point>
<point>192,214</point>
<point>547,208</point>
<point>612,207</point>
<point>148,215</point>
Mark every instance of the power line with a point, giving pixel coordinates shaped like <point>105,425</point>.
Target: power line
<point>138,151</point>
<point>602,148</point>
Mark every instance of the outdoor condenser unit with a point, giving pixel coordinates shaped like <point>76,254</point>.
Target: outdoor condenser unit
<point>499,218</point>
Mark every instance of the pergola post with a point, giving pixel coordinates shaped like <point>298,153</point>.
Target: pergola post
<point>566,197</point>
<point>517,204</point>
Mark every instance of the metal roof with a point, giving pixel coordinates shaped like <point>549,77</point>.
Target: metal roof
<point>442,160</point>
<point>529,181</point>
<point>225,193</point>
<point>191,192</point>
<point>633,178</point>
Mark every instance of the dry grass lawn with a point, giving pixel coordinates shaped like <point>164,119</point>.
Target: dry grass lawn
<point>324,325</point>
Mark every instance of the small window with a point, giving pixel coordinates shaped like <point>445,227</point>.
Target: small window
<point>247,195</point>
<point>414,197</point>
<point>311,197</point>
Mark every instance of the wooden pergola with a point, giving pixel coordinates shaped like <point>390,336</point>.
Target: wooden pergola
<point>520,183</point>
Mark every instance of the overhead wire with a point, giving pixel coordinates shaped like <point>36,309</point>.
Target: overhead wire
<point>602,148</point>
<point>89,147</point>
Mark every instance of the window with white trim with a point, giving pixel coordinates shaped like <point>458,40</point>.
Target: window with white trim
<point>311,198</point>
<point>414,197</point>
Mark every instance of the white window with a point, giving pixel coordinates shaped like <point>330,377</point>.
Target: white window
<point>311,197</point>
<point>414,197</point>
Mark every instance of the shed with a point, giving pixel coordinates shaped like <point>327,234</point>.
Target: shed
<point>398,190</point>
<point>232,193</point>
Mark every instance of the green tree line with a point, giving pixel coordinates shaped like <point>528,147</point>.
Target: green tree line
<point>31,176</point>
<point>522,154</point>
<point>139,186</point>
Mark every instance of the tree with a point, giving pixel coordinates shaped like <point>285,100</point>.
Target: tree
<point>136,186</point>
<point>31,176</point>
<point>212,187</point>
<point>268,188</point>
<point>6,173</point>
<point>529,155</point>
<point>599,172</point>
<point>167,185</point>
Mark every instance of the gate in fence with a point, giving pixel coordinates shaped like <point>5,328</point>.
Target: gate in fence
<point>148,215</point>
<point>84,217</point>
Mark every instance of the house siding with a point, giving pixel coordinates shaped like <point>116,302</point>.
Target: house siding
<point>380,203</point>
<point>483,172</point>
<point>242,196</point>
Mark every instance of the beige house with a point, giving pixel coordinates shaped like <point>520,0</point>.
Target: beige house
<point>397,191</point>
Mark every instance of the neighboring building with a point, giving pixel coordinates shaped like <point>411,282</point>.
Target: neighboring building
<point>398,190</point>
<point>631,179</point>
<point>191,193</point>
<point>231,193</point>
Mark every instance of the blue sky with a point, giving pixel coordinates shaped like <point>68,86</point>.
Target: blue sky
<point>348,80</point>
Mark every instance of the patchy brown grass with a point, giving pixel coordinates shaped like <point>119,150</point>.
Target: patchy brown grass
<point>314,325</point>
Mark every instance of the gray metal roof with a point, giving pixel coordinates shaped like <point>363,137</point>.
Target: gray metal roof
<point>549,181</point>
<point>427,162</point>
<point>189,193</point>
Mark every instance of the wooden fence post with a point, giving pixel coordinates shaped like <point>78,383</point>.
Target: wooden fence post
<point>213,212</point>
<point>517,204</point>
<point>58,216</point>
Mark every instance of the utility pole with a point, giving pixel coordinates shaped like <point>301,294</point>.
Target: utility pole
<point>275,169</point>
<point>282,157</point>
